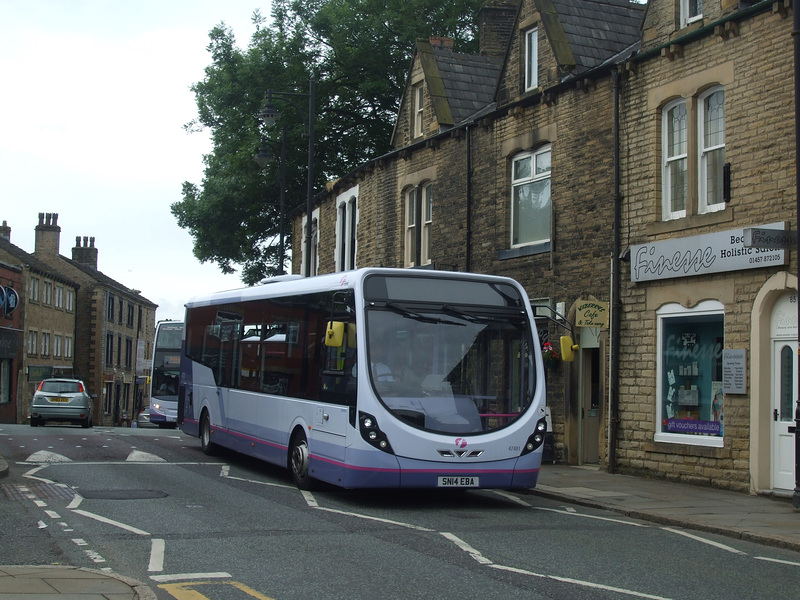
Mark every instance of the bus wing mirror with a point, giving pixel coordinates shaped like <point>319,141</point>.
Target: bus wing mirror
<point>568,348</point>
<point>334,336</point>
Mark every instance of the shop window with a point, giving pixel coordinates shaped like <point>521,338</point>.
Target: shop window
<point>689,400</point>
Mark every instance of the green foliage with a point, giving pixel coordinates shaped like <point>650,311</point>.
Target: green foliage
<point>359,53</point>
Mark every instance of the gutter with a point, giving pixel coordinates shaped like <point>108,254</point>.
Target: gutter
<point>706,30</point>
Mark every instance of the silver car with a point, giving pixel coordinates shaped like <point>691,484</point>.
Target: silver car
<point>61,400</point>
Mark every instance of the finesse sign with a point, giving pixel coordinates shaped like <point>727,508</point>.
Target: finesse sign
<point>702,254</point>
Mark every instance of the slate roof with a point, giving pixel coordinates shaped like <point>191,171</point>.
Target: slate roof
<point>34,264</point>
<point>103,279</point>
<point>597,30</point>
<point>469,81</point>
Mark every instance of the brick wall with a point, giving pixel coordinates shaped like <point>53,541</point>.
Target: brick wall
<point>755,68</point>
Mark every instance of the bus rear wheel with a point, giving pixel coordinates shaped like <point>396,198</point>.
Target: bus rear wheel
<point>205,435</point>
<point>298,462</point>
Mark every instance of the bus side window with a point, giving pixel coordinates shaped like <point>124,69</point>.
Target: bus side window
<point>340,369</point>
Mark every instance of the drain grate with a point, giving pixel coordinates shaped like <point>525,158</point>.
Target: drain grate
<point>41,491</point>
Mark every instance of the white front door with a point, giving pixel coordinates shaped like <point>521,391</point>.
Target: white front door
<point>784,395</point>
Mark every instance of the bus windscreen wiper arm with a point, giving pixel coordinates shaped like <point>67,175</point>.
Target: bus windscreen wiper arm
<point>418,317</point>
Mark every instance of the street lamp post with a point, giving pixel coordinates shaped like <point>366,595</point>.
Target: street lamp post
<point>269,116</point>
<point>263,158</point>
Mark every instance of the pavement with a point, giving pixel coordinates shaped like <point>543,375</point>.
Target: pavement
<point>763,520</point>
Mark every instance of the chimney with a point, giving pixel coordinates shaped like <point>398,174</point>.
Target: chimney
<point>495,24</point>
<point>48,234</point>
<point>85,254</point>
<point>444,43</point>
<point>5,231</point>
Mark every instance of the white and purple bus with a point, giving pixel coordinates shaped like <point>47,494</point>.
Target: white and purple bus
<point>165,373</point>
<point>370,378</point>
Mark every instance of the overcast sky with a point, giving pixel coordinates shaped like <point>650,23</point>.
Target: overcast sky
<point>93,101</point>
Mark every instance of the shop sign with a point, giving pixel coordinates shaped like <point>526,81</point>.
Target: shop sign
<point>9,339</point>
<point>39,373</point>
<point>769,238</point>
<point>591,313</point>
<point>9,299</point>
<point>734,373</point>
<point>718,252</point>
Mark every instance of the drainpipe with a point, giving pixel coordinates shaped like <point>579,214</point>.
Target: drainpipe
<point>616,303</point>
<point>468,250</point>
<point>796,40</point>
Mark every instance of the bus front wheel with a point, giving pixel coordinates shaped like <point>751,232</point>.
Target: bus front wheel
<point>205,435</point>
<point>298,462</point>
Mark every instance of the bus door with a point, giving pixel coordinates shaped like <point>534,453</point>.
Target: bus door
<point>338,393</point>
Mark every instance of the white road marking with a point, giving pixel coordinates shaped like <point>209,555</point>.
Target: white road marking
<point>312,503</point>
<point>111,522</point>
<point>157,548</point>
<point>572,513</point>
<point>43,456</point>
<point>777,560</point>
<point>182,576</point>
<point>578,582</point>
<point>481,559</point>
<point>95,556</point>
<point>512,497</point>
<point>139,456</point>
<point>703,540</point>
<point>477,556</point>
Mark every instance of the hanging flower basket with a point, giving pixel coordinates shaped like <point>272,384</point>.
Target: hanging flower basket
<point>550,356</point>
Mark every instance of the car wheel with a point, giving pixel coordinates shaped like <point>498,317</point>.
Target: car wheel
<point>34,422</point>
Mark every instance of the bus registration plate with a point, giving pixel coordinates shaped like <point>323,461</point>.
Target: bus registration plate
<point>458,481</point>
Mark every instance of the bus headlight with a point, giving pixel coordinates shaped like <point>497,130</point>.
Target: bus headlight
<point>536,439</point>
<point>372,434</point>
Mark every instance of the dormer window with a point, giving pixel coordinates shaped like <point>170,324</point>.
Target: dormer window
<point>691,11</point>
<point>417,108</point>
<point>532,59</point>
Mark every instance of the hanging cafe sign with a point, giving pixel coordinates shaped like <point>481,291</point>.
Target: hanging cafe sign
<point>591,313</point>
<point>718,252</point>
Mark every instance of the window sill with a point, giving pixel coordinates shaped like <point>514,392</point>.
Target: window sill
<point>712,218</point>
<point>521,251</point>
<point>665,441</point>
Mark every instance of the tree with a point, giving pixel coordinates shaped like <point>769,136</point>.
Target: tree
<point>359,52</point>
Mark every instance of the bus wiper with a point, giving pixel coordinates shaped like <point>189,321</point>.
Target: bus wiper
<point>473,318</point>
<point>418,317</point>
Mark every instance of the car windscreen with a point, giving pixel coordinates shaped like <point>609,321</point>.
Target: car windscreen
<point>60,387</point>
